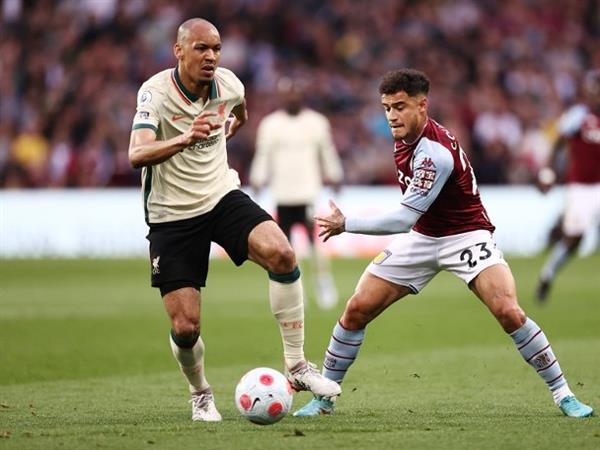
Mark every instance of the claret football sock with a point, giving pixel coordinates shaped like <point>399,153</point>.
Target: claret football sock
<point>190,356</point>
<point>287,305</point>
<point>536,351</point>
<point>341,352</point>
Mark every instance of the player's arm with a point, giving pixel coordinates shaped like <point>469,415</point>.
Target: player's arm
<point>568,125</point>
<point>145,150</point>
<point>432,167</point>
<point>240,117</point>
<point>260,167</point>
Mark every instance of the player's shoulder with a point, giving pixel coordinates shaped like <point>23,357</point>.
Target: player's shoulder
<point>157,81</point>
<point>228,80</point>
<point>435,132</point>
<point>315,116</point>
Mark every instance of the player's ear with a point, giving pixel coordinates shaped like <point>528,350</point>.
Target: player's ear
<point>177,50</point>
<point>423,103</point>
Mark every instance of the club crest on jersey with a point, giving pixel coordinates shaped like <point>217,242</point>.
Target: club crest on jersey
<point>144,98</point>
<point>379,259</point>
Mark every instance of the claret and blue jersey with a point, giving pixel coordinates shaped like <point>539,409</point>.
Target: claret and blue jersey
<point>438,182</point>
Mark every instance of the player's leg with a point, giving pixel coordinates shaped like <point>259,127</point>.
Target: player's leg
<point>246,231</point>
<point>179,255</point>
<point>495,286</point>
<point>560,254</point>
<point>582,208</point>
<point>372,296</point>
<point>405,267</point>
<point>268,247</point>
<point>183,307</point>
<point>326,293</point>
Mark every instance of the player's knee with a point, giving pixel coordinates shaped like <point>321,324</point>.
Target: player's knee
<point>186,327</point>
<point>511,317</point>
<point>283,258</point>
<point>356,316</point>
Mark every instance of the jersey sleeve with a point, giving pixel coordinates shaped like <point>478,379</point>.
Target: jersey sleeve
<point>432,166</point>
<point>570,122</point>
<point>147,111</point>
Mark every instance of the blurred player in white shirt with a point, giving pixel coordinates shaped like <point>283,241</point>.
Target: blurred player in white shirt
<point>579,133</point>
<point>295,153</point>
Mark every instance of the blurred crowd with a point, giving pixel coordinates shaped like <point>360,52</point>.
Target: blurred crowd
<point>502,71</point>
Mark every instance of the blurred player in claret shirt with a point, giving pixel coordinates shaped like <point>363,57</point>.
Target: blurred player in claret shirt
<point>442,226</point>
<point>579,133</point>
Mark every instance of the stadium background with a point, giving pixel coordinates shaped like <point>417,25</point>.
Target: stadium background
<point>84,359</point>
<point>502,71</point>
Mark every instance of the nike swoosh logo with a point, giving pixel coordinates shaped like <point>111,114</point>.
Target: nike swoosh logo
<point>176,117</point>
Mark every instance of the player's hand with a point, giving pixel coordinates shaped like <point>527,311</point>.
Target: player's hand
<point>546,179</point>
<point>333,224</point>
<point>234,126</point>
<point>200,128</point>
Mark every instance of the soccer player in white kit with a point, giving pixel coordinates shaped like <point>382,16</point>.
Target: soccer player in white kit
<point>442,226</point>
<point>294,154</point>
<point>192,198</point>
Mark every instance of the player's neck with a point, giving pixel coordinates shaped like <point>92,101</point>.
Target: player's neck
<point>199,89</point>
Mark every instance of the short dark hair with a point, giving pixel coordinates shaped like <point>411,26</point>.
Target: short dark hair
<point>411,81</point>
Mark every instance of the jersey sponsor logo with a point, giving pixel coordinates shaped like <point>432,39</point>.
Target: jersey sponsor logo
<point>144,98</point>
<point>155,268</point>
<point>176,117</point>
<point>204,143</point>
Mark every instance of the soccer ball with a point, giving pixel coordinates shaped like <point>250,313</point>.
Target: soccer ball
<point>263,396</point>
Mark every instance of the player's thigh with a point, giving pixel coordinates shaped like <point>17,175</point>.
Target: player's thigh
<point>495,287</point>
<point>583,209</point>
<point>179,253</point>
<point>372,296</point>
<point>466,255</point>
<point>236,217</point>
<point>409,260</point>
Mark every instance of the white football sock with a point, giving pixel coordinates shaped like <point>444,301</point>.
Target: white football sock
<point>558,257</point>
<point>287,305</point>
<point>536,351</point>
<point>191,363</point>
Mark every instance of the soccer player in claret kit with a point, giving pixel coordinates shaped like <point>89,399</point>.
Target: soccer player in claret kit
<point>192,197</point>
<point>442,226</point>
<point>579,131</point>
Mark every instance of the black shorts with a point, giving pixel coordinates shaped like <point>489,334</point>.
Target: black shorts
<point>179,250</point>
<point>288,216</point>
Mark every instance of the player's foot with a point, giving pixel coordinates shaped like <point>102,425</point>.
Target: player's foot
<point>571,407</point>
<point>304,376</point>
<point>542,290</point>
<point>203,407</point>
<point>318,406</point>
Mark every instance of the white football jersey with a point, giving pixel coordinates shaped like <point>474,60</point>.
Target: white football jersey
<point>292,154</point>
<point>193,181</point>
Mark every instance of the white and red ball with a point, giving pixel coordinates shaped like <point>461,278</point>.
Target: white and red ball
<point>263,396</point>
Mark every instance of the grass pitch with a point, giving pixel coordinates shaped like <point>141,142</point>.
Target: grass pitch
<point>85,363</point>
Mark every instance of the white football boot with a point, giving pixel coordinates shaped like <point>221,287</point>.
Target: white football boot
<point>304,376</point>
<point>204,408</point>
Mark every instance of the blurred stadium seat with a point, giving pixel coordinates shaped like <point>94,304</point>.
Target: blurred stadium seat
<point>501,72</point>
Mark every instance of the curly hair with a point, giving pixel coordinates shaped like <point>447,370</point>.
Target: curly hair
<point>411,81</point>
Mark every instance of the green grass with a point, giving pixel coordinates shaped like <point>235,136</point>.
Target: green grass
<point>85,363</point>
